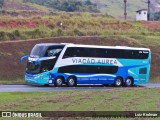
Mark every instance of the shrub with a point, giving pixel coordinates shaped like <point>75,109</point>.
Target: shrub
<point>16,33</point>
<point>79,33</point>
<point>57,32</point>
<point>11,36</point>
<point>3,36</point>
<point>36,33</point>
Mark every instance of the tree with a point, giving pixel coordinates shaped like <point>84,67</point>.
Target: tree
<point>88,2</point>
<point>157,16</point>
<point>67,5</point>
<point>1,3</point>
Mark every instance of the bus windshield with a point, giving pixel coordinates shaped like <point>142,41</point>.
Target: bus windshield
<point>38,51</point>
<point>44,50</point>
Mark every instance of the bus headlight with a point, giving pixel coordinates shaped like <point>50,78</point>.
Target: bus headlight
<point>50,77</point>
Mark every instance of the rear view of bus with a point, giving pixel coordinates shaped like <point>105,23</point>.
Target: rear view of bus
<point>73,64</point>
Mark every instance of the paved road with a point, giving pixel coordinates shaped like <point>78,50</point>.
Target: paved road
<point>29,88</point>
<point>151,85</point>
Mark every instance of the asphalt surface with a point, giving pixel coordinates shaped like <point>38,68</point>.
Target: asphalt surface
<point>31,88</point>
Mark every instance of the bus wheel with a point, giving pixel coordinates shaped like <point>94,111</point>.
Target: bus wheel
<point>118,82</point>
<point>129,82</point>
<point>71,82</point>
<point>58,82</point>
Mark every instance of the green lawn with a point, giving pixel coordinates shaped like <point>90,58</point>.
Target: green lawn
<point>119,99</point>
<point>15,81</point>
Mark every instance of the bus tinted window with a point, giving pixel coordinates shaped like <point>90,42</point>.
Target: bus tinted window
<point>53,51</point>
<point>105,53</point>
<point>70,52</point>
<point>88,69</point>
<point>79,52</point>
<point>127,54</point>
<point>38,51</point>
<point>143,71</point>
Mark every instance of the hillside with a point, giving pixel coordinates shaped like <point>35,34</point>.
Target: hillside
<point>49,5</point>
<point>111,7</point>
<point>116,7</point>
<point>67,5</point>
<point>72,24</point>
<point>19,5</point>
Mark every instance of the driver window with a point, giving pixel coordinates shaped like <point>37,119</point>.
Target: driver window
<point>53,52</point>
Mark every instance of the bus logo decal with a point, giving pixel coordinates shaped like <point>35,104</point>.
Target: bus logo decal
<point>94,61</point>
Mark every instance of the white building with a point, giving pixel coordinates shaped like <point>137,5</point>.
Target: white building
<point>141,14</point>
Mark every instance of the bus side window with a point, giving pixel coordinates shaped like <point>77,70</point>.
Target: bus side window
<point>143,71</point>
<point>84,52</point>
<point>101,53</point>
<point>70,52</point>
<point>53,52</point>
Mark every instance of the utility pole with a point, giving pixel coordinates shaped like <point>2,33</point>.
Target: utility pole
<point>125,9</point>
<point>148,15</point>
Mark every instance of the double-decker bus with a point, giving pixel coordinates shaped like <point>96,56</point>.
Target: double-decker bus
<point>73,64</point>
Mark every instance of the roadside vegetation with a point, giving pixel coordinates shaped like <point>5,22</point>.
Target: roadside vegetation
<point>71,24</point>
<point>121,99</point>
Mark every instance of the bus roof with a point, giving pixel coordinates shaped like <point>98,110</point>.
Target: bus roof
<point>50,44</point>
<point>93,46</point>
<point>110,47</point>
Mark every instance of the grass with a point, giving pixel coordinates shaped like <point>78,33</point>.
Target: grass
<point>116,9</point>
<point>14,6</point>
<point>15,81</point>
<point>74,24</point>
<point>111,7</point>
<point>121,99</point>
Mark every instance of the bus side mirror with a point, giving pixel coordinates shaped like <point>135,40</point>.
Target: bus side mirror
<point>22,59</point>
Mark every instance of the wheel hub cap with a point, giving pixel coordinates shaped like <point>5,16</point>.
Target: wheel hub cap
<point>71,81</point>
<point>118,82</point>
<point>59,81</point>
<point>128,81</point>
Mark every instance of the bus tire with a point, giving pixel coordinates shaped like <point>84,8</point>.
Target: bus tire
<point>118,82</point>
<point>129,82</point>
<point>71,82</point>
<point>58,82</point>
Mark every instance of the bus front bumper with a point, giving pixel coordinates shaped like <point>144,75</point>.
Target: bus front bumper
<point>35,79</point>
